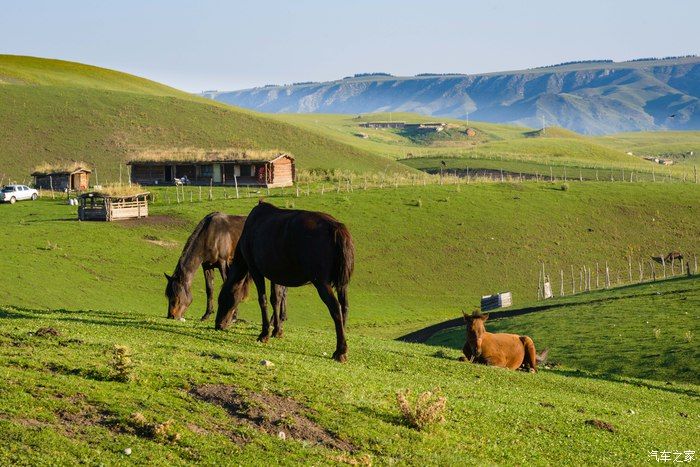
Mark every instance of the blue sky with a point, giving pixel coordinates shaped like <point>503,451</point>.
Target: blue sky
<point>231,45</point>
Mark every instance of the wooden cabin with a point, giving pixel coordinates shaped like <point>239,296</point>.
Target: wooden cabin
<point>95,206</point>
<point>77,179</point>
<point>217,169</point>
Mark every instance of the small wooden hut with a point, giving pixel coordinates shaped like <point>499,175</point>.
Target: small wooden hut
<point>62,177</point>
<point>221,167</point>
<point>95,206</point>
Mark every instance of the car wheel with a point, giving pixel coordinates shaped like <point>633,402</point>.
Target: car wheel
<point>13,200</point>
<point>34,197</point>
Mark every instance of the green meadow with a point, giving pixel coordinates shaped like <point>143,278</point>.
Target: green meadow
<point>622,376</point>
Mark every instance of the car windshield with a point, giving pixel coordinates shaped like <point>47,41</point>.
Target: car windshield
<point>8,189</point>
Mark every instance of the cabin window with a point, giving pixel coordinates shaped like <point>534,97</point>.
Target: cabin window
<point>247,170</point>
<point>206,171</point>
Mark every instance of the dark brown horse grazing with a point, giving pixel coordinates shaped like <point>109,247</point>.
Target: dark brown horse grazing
<point>672,256</point>
<point>291,248</point>
<point>210,246</point>
<point>503,350</point>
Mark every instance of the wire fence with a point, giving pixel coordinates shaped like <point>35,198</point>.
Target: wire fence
<point>601,275</point>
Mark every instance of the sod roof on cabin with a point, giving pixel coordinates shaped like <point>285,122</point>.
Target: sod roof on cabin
<point>60,167</point>
<point>180,155</point>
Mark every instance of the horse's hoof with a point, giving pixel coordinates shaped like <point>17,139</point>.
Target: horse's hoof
<point>263,338</point>
<point>342,357</point>
<point>463,359</point>
<point>277,334</point>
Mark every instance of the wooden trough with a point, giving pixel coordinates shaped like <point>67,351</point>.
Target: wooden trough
<point>95,206</point>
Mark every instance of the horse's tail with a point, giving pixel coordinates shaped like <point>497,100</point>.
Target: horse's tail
<point>530,354</point>
<point>344,257</point>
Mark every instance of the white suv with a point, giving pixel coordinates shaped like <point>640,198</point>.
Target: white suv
<point>12,193</point>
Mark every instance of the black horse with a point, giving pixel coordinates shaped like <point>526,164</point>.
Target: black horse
<point>291,248</point>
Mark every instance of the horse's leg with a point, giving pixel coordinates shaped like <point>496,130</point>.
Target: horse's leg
<point>275,300</point>
<point>259,280</point>
<point>530,353</point>
<point>343,299</point>
<point>232,293</point>
<point>283,303</point>
<point>325,291</point>
<point>223,269</point>
<point>209,283</point>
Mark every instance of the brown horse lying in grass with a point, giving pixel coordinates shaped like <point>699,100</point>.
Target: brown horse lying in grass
<point>504,350</point>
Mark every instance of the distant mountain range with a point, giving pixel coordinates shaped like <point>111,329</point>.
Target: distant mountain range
<point>592,97</point>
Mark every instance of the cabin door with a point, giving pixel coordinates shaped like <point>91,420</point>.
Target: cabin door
<point>168,173</point>
<point>216,173</point>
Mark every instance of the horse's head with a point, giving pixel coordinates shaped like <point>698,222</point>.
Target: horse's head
<point>475,329</point>
<point>179,297</point>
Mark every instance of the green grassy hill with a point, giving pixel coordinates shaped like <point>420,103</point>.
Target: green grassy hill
<point>449,243</point>
<point>423,254</point>
<point>54,110</point>
<point>61,403</point>
<point>511,148</point>
<point>676,145</point>
<point>648,331</point>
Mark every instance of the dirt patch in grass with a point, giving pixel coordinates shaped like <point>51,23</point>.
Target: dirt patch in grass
<point>160,242</point>
<point>276,415</point>
<point>49,331</point>
<point>600,424</point>
<point>153,221</point>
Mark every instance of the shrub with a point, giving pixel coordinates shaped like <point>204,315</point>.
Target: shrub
<point>657,332</point>
<point>157,431</point>
<point>425,411</point>
<point>565,187</point>
<point>688,336</point>
<point>121,364</point>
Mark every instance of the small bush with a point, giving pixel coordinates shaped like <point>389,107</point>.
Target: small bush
<point>565,187</point>
<point>121,364</point>
<point>657,333</point>
<point>688,336</point>
<point>157,431</point>
<point>427,410</point>
<point>418,203</point>
<point>289,205</point>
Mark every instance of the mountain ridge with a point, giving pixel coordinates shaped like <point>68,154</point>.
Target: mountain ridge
<point>587,97</point>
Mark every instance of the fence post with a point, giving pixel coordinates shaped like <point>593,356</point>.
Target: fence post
<point>663,263</point>
<point>573,281</point>
<point>597,275</point>
<point>641,272</point>
<point>696,264</point>
<point>607,276</point>
<point>561,273</point>
<point>630,268</point>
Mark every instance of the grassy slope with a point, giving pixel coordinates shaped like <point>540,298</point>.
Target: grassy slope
<point>58,404</point>
<point>458,245</point>
<point>675,144</point>
<point>612,332</point>
<point>497,146</point>
<point>52,110</point>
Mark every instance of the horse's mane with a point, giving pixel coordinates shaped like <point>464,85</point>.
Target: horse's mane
<point>189,244</point>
